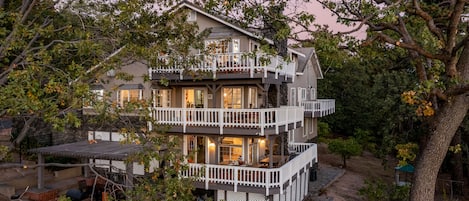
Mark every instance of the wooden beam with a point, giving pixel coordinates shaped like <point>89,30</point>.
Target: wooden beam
<point>40,171</point>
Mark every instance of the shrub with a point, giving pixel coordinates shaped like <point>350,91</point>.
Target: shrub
<point>345,148</point>
<point>377,190</point>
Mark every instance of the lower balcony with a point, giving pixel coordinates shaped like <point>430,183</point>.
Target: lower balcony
<point>243,178</point>
<point>318,108</point>
<point>230,121</point>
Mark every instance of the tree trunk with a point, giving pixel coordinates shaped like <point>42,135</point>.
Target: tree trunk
<point>457,165</point>
<point>446,123</point>
<point>344,160</point>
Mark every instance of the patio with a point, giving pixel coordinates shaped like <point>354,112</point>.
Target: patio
<point>86,150</point>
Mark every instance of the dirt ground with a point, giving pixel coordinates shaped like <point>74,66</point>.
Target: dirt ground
<point>359,169</point>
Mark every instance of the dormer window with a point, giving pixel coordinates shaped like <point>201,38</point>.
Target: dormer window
<point>97,93</point>
<point>129,94</point>
<point>191,16</point>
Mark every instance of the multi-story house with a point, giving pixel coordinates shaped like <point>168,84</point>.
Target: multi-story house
<point>249,117</point>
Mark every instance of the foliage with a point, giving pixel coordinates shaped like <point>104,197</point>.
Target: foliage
<point>366,139</point>
<point>346,148</point>
<point>5,153</point>
<point>63,198</point>
<point>371,80</point>
<point>324,131</point>
<point>406,152</point>
<point>52,52</point>
<point>377,190</point>
<point>434,37</point>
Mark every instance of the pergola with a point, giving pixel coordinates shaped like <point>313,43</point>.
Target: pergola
<point>107,150</point>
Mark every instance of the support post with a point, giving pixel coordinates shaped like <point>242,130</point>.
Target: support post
<point>40,171</point>
<point>129,171</point>
<point>86,169</point>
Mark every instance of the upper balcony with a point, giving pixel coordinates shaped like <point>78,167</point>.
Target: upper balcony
<point>230,121</point>
<point>243,178</point>
<point>318,108</point>
<point>223,66</point>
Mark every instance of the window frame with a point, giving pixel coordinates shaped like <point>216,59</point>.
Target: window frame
<point>121,102</point>
<point>224,95</point>
<point>156,101</point>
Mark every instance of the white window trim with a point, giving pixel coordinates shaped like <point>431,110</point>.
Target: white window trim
<point>155,92</point>
<point>119,102</point>
<point>312,93</point>
<point>250,94</point>
<point>293,96</point>
<point>233,87</point>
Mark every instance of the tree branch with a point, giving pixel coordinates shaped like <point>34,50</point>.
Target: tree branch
<point>415,47</point>
<point>429,20</point>
<point>24,130</point>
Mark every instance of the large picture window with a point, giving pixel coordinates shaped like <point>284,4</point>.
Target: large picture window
<point>126,96</point>
<point>161,97</point>
<point>232,98</point>
<point>231,149</point>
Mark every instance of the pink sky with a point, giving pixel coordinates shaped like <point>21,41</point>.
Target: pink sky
<point>323,16</point>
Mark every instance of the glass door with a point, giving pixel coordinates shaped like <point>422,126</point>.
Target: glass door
<point>196,149</point>
<point>194,98</point>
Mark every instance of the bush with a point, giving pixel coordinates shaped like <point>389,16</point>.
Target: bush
<point>345,148</point>
<point>366,139</point>
<point>377,190</point>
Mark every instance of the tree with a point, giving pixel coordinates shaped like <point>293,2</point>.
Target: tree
<point>52,51</point>
<point>345,148</point>
<point>435,37</point>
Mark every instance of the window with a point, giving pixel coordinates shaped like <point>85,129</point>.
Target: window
<point>217,46</point>
<point>232,97</point>
<point>301,94</point>
<point>126,96</point>
<point>252,97</point>
<point>97,94</point>
<point>161,97</point>
<point>312,93</point>
<point>307,128</point>
<point>231,149</point>
<point>293,97</point>
<point>192,16</point>
<point>223,51</point>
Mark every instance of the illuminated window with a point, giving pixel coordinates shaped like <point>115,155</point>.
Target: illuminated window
<point>231,149</point>
<point>129,94</point>
<point>232,97</point>
<point>162,98</point>
<point>252,99</point>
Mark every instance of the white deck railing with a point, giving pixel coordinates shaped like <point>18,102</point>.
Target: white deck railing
<point>251,176</point>
<point>322,106</point>
<point>227,62</point>
<point>230,118</point>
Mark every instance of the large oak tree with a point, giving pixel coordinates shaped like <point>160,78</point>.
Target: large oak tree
<point>435,35</point>
<point>52,51</point>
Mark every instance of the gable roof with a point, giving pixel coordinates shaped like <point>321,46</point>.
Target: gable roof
<point>310,55</point>
<point>223,21</point>
<point>230,24</point>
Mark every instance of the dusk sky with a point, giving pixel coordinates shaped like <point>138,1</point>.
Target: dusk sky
<point>323,16</point>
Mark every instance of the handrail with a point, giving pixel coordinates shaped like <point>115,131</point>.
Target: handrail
<point>226,62</point>
<point>233,118</point>
<point>252,176</point>
<point>322,106</point>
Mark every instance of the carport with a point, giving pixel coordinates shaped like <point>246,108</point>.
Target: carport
<point>106,150</point>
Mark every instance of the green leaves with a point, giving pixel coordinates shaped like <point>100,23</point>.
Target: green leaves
<point>345,148</point>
